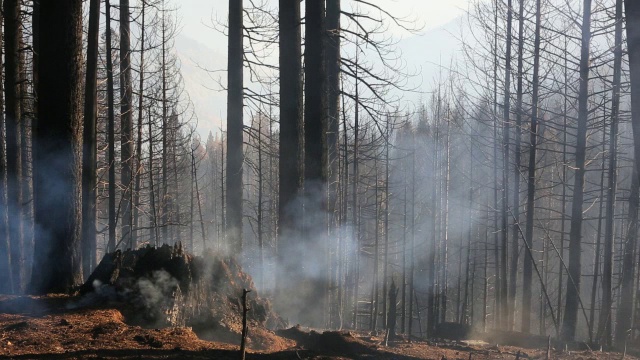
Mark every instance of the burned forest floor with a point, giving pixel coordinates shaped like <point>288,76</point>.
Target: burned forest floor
<point>58,327</point>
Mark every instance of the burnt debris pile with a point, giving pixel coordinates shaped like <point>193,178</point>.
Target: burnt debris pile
<point>165,286</point>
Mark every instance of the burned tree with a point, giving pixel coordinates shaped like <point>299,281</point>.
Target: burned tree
<point>89,148</point>
<point>12,40</point>
<point>575,234</point>
<point>291,117</point>
<point>234,127</point>
<point>56,145</point>
<point>126,124</point>
<point>625,310</point>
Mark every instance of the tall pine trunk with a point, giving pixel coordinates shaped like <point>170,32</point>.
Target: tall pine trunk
<point>138,175</point>
<point>332,63</point>
<point>506,129</point>
<point>624,315</point>
<point>111,130</point>
<point>531,179</point>
<point>604,319</point>
<point>57,144</point>
<point>315,154</point>
<point>89,150</point>
<point>575,234</point>
<point>235,155</point>
<point>291,160</point>
<point>126,124</point>
<point>5,247</point>
<point>13,35</point>
<point>516,182</point>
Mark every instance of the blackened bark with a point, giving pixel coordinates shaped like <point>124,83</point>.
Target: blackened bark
<point>126,123</point>
<point>35,31</point>
<point>625,310</point>
<point>89,150</point>
<point>5,247</point>
<point>604,323</point>
<point>315,125</point>
<point>332,62</point>
<point>531,179</point>
<point>515,244</point>
<point>526,303</point>
<point>164,191</point>
<point>575,234</point>
<point>235,156</point>
<point>138,174</point>
<point>504,231</point>
<point>291,162</point>
<point>111,245</point>
<point>57,149</point>
<point>12,32</point>
<point>315,151</point>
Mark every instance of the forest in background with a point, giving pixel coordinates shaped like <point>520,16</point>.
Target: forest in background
<point>506,199</point>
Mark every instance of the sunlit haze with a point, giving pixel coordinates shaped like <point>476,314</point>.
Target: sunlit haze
<point>200,46</point>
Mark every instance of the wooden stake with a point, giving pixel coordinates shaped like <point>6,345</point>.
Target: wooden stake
<point>549,348</point>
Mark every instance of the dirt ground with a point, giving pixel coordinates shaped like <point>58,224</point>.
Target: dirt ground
<point>55,328</point>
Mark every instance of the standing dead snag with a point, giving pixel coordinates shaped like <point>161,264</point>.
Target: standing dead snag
<point>244,323</point>
<point>391,314</point>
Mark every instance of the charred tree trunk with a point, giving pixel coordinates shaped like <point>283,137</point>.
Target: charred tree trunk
<point>57,187</point>
<point>496,182</point>
<point>332,63</point>
<point>624,314</point>
<point>575,235</point>
<point>164,191</point>
<point>235,156</point>
<point>111,129</point>
<point>516,183</point>
<point>89,148</point>
<point>126,124</point>
<point>6,275</point>
<point>13,35</point>
<point>315,151</point>
<point>354,197</point>
<point>531,179</point>
<point>315,125</point>
<point>604,323</point>
<point>138,176</point>
<point>291,162</point>
<point>506,129</point>
<point>152,192</point>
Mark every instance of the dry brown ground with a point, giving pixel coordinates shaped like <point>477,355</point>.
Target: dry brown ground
<point>49,328</point>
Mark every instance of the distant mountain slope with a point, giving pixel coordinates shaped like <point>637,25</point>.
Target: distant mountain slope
<point>209,104</point>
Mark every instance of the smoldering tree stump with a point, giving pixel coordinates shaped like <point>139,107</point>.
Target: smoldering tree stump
<point>167,287</point>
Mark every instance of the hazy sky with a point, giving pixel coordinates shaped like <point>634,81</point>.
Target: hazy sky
<point>209,48</point>
<point>196,15</point>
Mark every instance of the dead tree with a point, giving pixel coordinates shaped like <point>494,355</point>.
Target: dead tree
<point>516,185</point>
<point>625,310</point>
<point>126,124</point>
<point>12,41</point>
<point>111,245</point>
<point>575,234</point>
<point>6,274</point>
<point>291,161</point>
<point>58,213</point>
<point>89,141</point>
<point>234,127</point>
<point>604,324</point>
<point>506,122</point>
<point>531,177</point>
